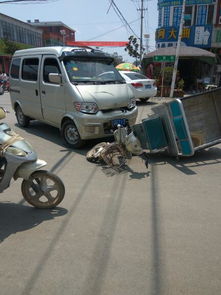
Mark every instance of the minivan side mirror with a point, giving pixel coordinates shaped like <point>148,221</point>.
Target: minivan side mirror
<point>55,78</point>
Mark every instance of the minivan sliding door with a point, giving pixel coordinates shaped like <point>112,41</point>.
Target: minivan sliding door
<point>52,95</point>
<point>30,96</point>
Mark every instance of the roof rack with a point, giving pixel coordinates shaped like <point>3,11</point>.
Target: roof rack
<point>86,53</point>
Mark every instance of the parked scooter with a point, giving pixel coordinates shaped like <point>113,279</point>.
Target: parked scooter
<point>40,188</point>
<point>4,86</point>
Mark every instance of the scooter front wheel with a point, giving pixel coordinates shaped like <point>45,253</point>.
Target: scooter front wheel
<point>43,189</point>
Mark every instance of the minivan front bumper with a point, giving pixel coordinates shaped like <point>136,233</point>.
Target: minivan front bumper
<point>99,125</point>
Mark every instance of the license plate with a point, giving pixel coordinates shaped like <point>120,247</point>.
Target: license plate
<point>147,86</point>
<point>116,122</point>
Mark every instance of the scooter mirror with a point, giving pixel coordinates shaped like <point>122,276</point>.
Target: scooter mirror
<point>2,113</point>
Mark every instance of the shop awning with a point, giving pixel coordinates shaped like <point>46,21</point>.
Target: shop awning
<point>185,52</point>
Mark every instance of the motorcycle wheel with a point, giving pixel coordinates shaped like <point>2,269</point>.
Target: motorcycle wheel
<point>94,155</point>
<point>43,189</point>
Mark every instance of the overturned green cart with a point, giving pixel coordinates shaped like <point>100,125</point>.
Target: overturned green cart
<point>181,126</point>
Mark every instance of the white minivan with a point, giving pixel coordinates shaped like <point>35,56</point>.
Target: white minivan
<point>76,89</point>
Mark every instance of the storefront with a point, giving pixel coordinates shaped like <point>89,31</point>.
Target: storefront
<point>195,67</point>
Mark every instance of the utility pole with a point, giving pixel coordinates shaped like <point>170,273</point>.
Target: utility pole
<point>177,49</point>
<point>141,28</point>
<point>141,31</point>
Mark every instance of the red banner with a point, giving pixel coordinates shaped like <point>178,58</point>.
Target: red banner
<point>98,43</point>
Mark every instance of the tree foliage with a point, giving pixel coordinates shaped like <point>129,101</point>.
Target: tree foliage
<point>133,47</point>
<point>9,47</point>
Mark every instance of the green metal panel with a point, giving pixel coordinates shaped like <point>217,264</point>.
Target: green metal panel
<point>181,128</point>
<point>155,133</point>
<point>138,131</point>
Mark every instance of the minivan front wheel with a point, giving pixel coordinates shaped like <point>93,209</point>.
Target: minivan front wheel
<point>144,99</point>
<point>71,135</point>
<point>23,121</point>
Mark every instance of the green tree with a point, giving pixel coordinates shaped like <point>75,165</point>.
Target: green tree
<point>9,47</point>
<point>133,47</point>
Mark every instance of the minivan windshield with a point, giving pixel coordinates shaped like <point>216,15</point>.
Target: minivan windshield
<point>92,72</point>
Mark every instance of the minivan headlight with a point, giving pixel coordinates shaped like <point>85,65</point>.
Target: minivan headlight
<point>86,107</point>
<point>132,103</point>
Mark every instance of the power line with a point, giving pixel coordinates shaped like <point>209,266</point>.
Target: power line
<point>25,1</point>
<point>97,23</point>
<point>111,31</point>
<point>120,15</point>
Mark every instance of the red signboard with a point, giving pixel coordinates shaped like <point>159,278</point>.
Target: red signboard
<point>98,43</point>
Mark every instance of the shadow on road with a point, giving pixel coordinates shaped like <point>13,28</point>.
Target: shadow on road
<point>125,169</point>
<point>210,156</point>
<point>148,102</point>
<point>42,130</point>
<point>52,134</point>
<point>18,217</point>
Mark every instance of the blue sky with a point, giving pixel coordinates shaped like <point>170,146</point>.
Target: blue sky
<point>93,20</point>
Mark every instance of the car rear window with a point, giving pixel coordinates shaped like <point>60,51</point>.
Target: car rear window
<point>135,76</point>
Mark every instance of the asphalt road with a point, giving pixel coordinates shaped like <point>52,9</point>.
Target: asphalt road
<point>143,232</point>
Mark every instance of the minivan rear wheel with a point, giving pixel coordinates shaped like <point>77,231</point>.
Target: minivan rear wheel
<point>71,135</point>
<point>23,121</point>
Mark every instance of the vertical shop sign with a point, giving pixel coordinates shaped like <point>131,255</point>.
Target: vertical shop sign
<point>202,35</point>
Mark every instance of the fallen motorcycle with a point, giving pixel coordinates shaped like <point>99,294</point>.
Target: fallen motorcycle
<point>40,188</point>
<point>116,153</point>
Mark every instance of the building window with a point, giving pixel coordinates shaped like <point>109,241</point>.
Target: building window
<point>218,36</point>
<point>188,15</point>
<point>19,34</point>
<point>160,18</point>
<point>210,14</point>
<point>201,15</point>
<point>176,16</point>
<point>30,69</point>
<point>166,16</point>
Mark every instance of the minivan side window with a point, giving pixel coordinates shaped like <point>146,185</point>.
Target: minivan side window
<point>15,66</point>
<point>50,66</point>
<point>30,69</point>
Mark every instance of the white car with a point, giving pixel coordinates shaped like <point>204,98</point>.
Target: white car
<point>143,87</point>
